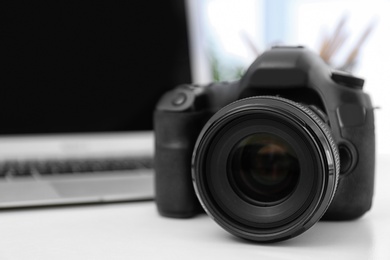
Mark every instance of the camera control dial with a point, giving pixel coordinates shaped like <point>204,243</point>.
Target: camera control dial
<point>347,79</point>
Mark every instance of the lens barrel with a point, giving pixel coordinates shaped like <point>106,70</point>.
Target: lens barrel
<point>265,168</point>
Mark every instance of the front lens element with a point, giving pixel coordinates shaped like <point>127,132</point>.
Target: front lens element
<point>264,168</point>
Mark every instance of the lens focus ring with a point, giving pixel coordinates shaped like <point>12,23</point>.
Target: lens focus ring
<point>323,127</point>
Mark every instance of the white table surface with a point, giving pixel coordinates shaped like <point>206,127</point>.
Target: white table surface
<point>136,231</point>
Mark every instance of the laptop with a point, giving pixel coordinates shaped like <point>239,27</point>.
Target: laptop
<point>79,83</point>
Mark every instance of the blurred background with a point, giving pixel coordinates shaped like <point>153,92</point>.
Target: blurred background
<point>53,53</point>
<point>227,35</point>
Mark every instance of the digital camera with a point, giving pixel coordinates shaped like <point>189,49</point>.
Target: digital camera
<point>269,155</point>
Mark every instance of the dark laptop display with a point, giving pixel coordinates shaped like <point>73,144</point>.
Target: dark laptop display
<point>73,66</point>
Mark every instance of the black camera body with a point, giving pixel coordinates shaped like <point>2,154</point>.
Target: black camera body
<point>267,156</point>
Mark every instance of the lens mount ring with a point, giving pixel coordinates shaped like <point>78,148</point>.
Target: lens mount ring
<point>301,128</point>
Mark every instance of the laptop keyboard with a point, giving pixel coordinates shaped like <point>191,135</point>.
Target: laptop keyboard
<point>11,169</point>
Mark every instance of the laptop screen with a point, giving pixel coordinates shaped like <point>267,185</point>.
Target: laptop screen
<point>73,66</point>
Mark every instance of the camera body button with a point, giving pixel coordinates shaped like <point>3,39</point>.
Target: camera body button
<point>179,99</point>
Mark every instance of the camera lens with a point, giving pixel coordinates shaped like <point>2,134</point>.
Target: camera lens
<point>265,168</point>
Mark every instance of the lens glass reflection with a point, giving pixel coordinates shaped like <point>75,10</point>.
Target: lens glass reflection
<point>264,168</point>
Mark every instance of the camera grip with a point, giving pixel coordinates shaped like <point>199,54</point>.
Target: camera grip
<point>355,189</point>
<point>175,138</point>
